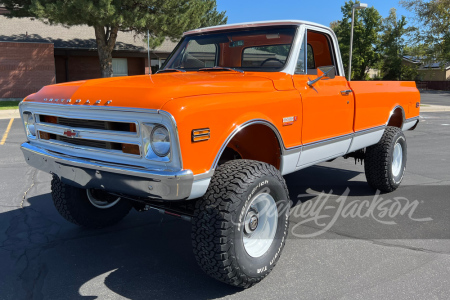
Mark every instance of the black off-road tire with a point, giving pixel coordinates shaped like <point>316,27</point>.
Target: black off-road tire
<point>216,236</point>
<point>73,204</point>
<point>378,161</point>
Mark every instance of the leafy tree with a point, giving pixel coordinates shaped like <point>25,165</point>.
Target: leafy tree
<point>433,30</point>
<point>393,45</point>
<point>366,39</point>
<point>162,18</point>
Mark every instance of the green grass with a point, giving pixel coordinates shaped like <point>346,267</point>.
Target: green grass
<point>9,104</point>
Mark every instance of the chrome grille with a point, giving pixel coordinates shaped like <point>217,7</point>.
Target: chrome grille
<point>83,142</point>
<point>80,123</point>
<point>125,142</point>
<point>114,137</point>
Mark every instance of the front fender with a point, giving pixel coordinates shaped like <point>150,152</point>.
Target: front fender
<point>224,114</point>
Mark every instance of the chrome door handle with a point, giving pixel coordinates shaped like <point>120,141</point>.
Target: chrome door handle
<point>346,92</point>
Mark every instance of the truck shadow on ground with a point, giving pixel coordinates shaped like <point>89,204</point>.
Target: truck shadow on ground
<point>147,256</point>
<point>306,184</point>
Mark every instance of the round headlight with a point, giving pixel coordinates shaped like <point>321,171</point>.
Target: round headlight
<point>29,123</point>
<point>160,141</point>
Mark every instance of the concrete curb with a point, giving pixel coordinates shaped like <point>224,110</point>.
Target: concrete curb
<point>434,108</point>
<point>9,114</point>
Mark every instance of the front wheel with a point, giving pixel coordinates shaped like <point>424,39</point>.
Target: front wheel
<point>241,224</point>
<point>385,162</point>
<point>88,208</point>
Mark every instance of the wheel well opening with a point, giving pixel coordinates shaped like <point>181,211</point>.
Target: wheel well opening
<point>255,142</point>
<point>396,118</point>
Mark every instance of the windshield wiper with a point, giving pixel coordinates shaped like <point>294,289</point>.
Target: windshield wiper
<point>221,69</point>
<point>170,70</point>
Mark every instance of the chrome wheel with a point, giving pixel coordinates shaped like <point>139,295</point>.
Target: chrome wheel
<point>260,225</point>
<point>397,159</point>
<point>106,201</point>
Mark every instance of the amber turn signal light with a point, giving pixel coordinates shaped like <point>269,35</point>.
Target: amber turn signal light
<point>44,135</point>
<point>49,119</point>
<point>131,149</point>
<point>199,135</point>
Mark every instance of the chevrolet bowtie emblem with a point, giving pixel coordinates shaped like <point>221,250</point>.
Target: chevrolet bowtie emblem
<point>70,133</point>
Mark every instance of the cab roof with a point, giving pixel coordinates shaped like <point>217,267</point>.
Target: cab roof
<point>252,25</point>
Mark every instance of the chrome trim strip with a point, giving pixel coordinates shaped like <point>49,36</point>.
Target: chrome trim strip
<point>369,130</point>
<point>90,134</point>
<point>365,138</point>
<point>392,112</point>
<point>292,150</point>
<point>411,123</point>
<point>105,131</point>
<point>205,175</point>
<point>91,107</point>
<point>320,143</point>
<point>93,149</point>
<point>412,119</point>
<point>242,126</point>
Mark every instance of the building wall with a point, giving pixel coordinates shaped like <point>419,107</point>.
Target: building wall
<point>83,67</point>
<point>88,67</point>
<point>136,66</point>
<point>432,75</point>
<point>25,68</point>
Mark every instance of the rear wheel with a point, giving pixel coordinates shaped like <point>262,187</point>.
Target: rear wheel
<point>385,162</point>
<point>89,208</point>
<point>240,225</point>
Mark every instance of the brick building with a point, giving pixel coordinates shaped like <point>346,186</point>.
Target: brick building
<point>34,54</point>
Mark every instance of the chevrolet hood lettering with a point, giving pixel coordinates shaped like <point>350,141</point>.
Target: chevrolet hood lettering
<point>152,92</point>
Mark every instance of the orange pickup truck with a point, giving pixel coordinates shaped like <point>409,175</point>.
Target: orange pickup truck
<point>210,136</point>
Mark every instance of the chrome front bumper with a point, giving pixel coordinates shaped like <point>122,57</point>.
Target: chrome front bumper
<point>152,184</point>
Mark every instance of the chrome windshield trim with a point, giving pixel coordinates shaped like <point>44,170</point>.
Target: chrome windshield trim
<point>252,25</point>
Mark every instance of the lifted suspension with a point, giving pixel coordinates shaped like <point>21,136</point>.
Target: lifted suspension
<point>358,155</point>
<point>181,210</point>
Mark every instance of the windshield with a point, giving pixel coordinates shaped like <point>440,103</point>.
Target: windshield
<point>259,49</point>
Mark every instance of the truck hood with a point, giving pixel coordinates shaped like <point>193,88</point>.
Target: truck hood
<point>151,92</point>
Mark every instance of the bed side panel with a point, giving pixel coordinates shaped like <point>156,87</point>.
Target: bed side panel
<point>374,101</point>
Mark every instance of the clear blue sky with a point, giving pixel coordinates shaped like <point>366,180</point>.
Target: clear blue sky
<point>319,11</point>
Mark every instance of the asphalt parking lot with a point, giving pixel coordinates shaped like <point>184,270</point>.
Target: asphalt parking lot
<point>394,254</point>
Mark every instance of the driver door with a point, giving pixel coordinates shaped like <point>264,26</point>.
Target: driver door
<point>328,106</point>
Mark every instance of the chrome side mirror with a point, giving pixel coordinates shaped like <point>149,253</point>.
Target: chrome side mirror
<point>328,72</point>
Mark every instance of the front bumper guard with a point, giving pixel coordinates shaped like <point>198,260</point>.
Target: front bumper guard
<point>83,173</point>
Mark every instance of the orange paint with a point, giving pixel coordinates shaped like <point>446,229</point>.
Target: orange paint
<point>222,101</point>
